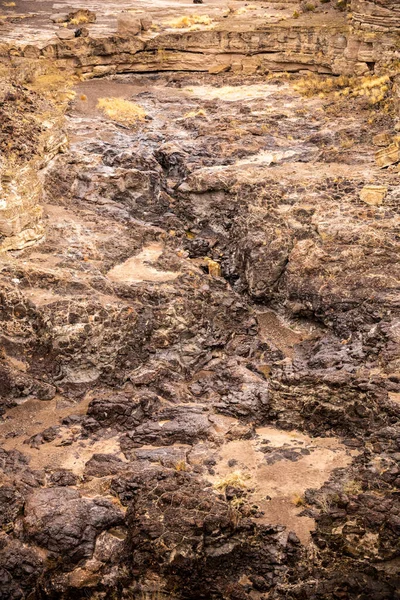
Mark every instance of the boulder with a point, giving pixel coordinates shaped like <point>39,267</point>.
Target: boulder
<point>373,194</point>
<point>146,21</point>
<point>66,34</point>
<point>65,523</point>
<point>129,24</point>
<point>59,18</point>
<point>133,24</point>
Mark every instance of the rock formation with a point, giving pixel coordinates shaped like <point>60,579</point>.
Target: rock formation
<point>200,317</point>
<point>31,135</point>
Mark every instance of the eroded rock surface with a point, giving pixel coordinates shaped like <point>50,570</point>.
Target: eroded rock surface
<point>199,369</point>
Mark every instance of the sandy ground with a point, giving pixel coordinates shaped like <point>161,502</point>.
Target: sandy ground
<point>138,268</point>
<point>278,478</point>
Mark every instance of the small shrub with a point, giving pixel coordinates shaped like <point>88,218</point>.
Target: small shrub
<point>298,500</point>
<point>122,111</point>
<point>81,16</point>
<point>352,487</point>
<point>79,20</point>
<point>236,479</point>
<point>341,5</point>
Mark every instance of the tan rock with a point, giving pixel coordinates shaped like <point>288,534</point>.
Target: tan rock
<point>81,577</point>
<point>373,194</point>
<point>146,21</point>
<point>21,184</point>
<point>59,18</point>
<point>219,69</point>
<point>388,156</point>
<point>382,139</point>
<point>65,34</point>
<point>133,23</point>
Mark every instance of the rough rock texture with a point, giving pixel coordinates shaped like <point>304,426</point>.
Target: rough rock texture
<point>239,39</point>
<point>376,14</point>
<point>27,145</point>
<point>199,368</point>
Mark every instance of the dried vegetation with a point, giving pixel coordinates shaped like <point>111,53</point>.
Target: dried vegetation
<point>122,111</point>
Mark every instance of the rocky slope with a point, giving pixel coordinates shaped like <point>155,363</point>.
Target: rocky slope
<point>199,370</point>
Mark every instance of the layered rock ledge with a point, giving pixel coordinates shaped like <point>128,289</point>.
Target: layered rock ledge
<point>31,135</point>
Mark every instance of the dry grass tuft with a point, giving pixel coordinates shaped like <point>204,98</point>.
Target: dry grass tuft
<point>236,479</point>
<point>374,89</point>
<point>82,17</point>
<point>122,111</point>
<point>298,500</point>
<point>195,113</point>
<point>182,465</point>
<point>352,487</point>
<point>244,9</point>
<point>54,84</point>
<point>189,21</point>
<point>79,20</point>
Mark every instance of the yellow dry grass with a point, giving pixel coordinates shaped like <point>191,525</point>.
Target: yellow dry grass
<point>195,113</point>
<point>80,19</point>
<point>244,9</point>
<point>298,500</point>
<point>56,85</point>
<point>189,21</point>
<point>122,111</point>
<point>372,88</point>
<point>182,465</point>
<point>236,479</point>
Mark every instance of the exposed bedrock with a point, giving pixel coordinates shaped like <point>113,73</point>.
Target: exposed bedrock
<point>27,145</point>
<point>242,46</point>
<point>378,15</point>
<point>153,405</point>
<point>199,361</point>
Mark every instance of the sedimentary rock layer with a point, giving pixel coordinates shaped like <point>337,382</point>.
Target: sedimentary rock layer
<point>28,142</point>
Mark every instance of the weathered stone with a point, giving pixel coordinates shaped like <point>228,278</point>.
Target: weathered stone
<point>21,188</point>
<point>146,21</point>
<point>60,520</point>
<point>129,24</point>
<point>373,194</point>
<point>163,381</point>
<point>65,34</point>
<point>382,139</point>
<point>59,18</point>
<point>380,14</point>
<point>388,156</point>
